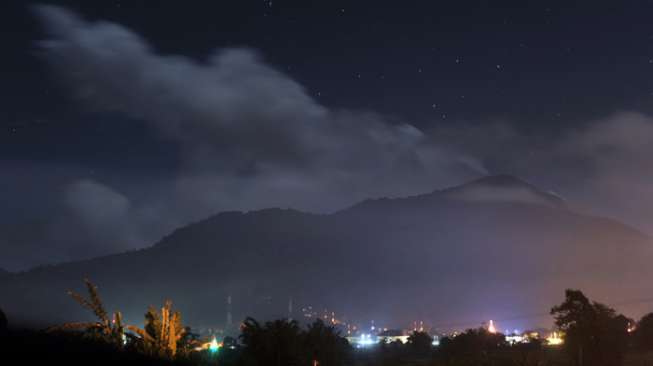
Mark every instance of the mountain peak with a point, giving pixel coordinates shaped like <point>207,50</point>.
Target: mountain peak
<point>499,180</point>
<point>503,188</point>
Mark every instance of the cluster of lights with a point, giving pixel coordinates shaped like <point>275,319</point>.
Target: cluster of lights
<point>366,340</point>
<point>555,339</point>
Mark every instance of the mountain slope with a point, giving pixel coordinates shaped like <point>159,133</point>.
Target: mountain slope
<point>438,257</point>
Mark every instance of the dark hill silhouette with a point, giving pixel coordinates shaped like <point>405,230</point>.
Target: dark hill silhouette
<point>442,256</point>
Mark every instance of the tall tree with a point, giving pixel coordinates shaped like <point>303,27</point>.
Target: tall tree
<point>163,333</point>
<point>472,347</point>
<point>283,342</point>
<point>420,342</point>
<point>277,343</point>
<point>644,332</point>
<point>324,345</point>
<point>594,333</point>
<point>109,329</point>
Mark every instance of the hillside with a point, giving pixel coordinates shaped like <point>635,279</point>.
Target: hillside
<point>444,256</point>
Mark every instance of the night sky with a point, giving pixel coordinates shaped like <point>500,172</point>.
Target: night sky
<point>122,120</point>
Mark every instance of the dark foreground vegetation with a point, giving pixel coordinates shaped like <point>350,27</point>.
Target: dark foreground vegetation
<point>594,335</point>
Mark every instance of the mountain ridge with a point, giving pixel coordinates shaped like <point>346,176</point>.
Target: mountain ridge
<point>374,259</point>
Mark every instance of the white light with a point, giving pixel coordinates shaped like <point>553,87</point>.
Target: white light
<point>491,327</point>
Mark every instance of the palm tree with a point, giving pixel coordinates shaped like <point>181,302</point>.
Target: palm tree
<point>108,329</point>
<point>324,344</point>
<point>163,332</point>
<point>276,343</point>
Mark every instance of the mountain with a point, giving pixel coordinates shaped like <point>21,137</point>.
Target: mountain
<point>493,248</point>
<point>504,188</point>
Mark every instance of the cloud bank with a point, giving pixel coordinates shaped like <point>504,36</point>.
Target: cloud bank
<point>251,137</point>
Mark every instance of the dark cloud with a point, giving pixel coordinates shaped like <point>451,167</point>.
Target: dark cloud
<point>244,126</point>
<point>251,137</point>
<point>601,167</point>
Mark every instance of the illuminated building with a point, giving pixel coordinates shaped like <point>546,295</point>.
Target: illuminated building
<point>436,341</point>
<point>516,339</point>
<point>363,341</point>
<point>393,335</point>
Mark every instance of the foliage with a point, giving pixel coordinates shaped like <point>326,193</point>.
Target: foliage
<point>274,343</point>
<point>644,332</point>
<point>324,344</point>
<point>4,324</point>
<point>472,346</point>
<point>163,334</point>
<point>420,342</point>
<point>594,333</point>
<point>283,342</point>
<point>28,347</point>
<point>111,330</point>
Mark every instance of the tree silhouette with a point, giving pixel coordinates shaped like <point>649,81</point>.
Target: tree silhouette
<point>275,343</point>
<point>4,324</point>
<point>594,333</point>
<point>163,334</point>
<point>324,344</point>
<point>283,342</point>
<point>110,330</point>
<point>420,342</point>
<point>471,347</point>
<point>644,332</point>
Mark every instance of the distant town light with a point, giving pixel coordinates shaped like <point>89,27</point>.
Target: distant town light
<point>631,327</point>
<point>214,346</point>
<point>554,339</point>
<point>491,327</point>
